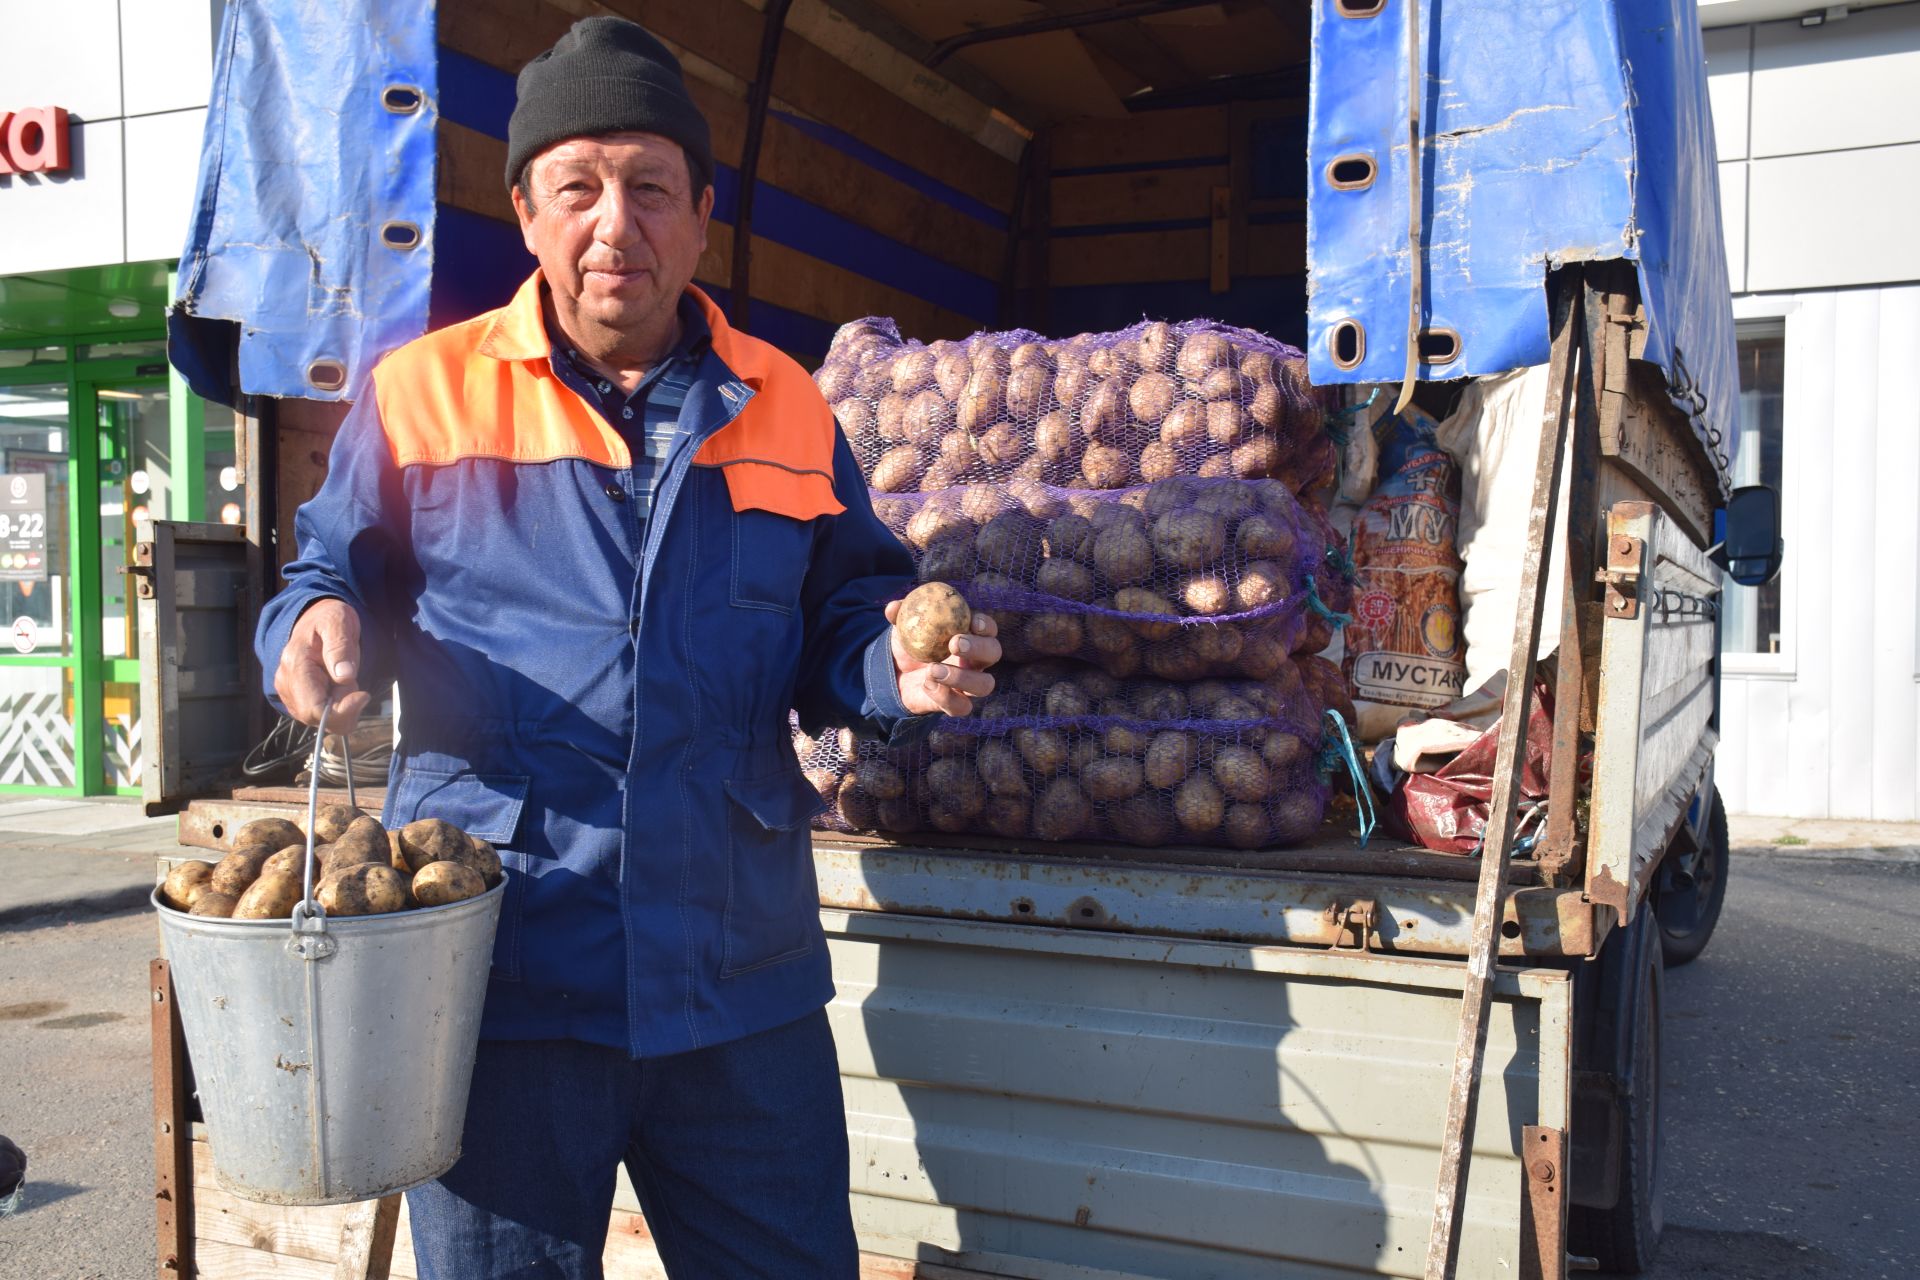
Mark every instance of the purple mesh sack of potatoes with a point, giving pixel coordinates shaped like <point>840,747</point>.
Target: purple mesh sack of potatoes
<point>1095,411</point>
<point>1180,579</point>
<point>1067,752</point>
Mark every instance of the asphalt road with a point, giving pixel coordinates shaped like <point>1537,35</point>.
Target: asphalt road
<point>1792,1103</point>
<point>76,1094</point>
<point>1792,1142</point>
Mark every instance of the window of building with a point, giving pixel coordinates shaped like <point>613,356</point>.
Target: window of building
<point>1751,616</point>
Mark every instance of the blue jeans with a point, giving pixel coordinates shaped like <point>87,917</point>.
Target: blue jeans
<point>738,1153</point>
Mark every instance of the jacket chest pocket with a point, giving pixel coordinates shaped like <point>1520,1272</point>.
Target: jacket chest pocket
<point>770,554</point>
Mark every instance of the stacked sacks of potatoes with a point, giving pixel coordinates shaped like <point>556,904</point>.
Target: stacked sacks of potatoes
<point>1180,579</point>
<point>359,868</point>
<point>1063,751</point>
<point>1129,507</point>
<point>1096,411</point>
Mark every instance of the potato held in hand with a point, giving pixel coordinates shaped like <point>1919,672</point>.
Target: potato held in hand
<point>439,883</point>
<point>930,617</point>
<point>369,889</point>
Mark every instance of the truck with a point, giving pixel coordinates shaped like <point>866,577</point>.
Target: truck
<point>1083,1060</point>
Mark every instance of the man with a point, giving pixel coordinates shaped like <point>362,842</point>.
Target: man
<point>604,542</point>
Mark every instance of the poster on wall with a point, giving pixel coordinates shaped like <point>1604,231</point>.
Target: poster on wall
<point>23,528</point>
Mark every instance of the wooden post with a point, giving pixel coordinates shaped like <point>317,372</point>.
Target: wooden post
<point>1470,1046</point>
<point>172,1131</point>
<point>759,95</point>
<point>366,1240</point>
<point>1602,353</point>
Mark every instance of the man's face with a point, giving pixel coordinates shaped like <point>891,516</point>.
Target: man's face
<point>615,225</point>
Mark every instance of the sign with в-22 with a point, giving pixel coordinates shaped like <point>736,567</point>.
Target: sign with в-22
<point>23,528</point>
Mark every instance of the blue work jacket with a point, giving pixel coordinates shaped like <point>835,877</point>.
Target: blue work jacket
<point>602,696</point>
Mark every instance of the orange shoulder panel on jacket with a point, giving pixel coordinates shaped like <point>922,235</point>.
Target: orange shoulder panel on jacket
<point>777,455</point>
<point>458,392</point>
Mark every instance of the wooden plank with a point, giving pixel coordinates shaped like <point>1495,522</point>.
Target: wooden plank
<point>1150,138</point>
<point>247,1241</point>
<point>800,282</point>
<point>507,33</point>
<point>471,165</point>
<point>846,37</point>
<point>1149,195</point>
<point>470,172</point>
<point>826,176</point>
<point>172,1152</point>
<point>1147,257</point>
<point>1648,438</point>
<point>501,33</point>
<point>783,276</point>
<point>1221,242</point>
<point>1276,249</point>
<point>366,1240</point>
<point>1133,257</point>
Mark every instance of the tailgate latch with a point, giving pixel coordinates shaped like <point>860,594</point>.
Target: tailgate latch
<point>1622,575</point>
<point>1357,919</point>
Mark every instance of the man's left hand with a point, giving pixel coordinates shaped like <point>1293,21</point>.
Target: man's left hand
<point>950,686</point>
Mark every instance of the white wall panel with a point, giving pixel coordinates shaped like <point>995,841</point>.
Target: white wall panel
<point>1733,222</point>
<point>1839,218</point>
<point>1730,760</point>
<point>71,219</point>
<point>170,43</point>
<point>1836,732</point>
<point>1854,83</point>
<point>61,53</point>
<point>1729,62</point>
<point>1855,607</point>
<point>163,161</point>
<point>1896,540</point>
<point>1806,466</point>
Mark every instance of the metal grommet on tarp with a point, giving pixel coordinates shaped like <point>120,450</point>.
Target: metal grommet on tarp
<point>1347,344</point>
<point>327,374</point>
<point>296,290</point>
<point>402,99</point>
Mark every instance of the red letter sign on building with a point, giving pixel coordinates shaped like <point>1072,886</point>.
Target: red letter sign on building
<point>34,140</point>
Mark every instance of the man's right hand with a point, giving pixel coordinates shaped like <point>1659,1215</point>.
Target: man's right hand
<point>320,667</point>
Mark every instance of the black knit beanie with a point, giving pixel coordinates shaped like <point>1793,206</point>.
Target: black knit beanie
<point>607,75</point>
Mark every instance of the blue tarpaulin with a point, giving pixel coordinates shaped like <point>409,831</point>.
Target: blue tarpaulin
<point>1553,132</point>
<point>317,169</point>
<point>1560,131</point>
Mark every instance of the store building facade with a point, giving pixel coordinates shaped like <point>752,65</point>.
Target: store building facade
<point>1817,123</point>
<point>102,104</point>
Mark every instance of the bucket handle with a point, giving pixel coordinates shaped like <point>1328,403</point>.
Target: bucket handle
<point>310,940</point>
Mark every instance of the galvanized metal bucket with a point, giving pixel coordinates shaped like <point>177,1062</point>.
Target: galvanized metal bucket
<point>332,1058</point>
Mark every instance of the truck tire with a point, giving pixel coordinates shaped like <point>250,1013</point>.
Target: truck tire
<point>1690,888</point>
<point>1626,1236</point>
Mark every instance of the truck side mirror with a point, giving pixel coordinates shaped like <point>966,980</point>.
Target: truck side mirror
<point>1752,549</point>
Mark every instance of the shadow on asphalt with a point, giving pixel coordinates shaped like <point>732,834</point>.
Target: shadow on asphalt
<point>38,1195</point>
<point>98,906</point>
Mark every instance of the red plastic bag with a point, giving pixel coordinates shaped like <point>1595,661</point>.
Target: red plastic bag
<point>1447,811</point>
